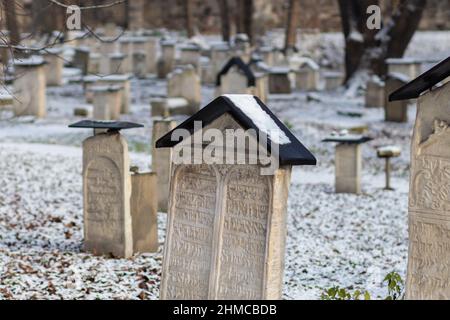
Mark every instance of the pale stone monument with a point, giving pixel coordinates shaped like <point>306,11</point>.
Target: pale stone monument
<point>139,64</point>
<point>119,207</point>
<point>220,54</point>
<point>409,67</point>
<point>107,101</point>
<point>166,62</point>
<point>148,46</point>
<point>54,67</point>
<point>124,82</point>
<point>94,63</point>
<point>428,275</point>
<point>184,82</point>
<point>190,54</point>
<point>279,80</point>
<point>348,162</point>
<point>161,161</point>
<point>126,48</point>
<point>333,80</point>
<point>116,63</point>
<point>375,93</point>
<point>108,47</point>
<point>30,87</point>
<point>307,75</point>
<point>395,111</point>
<point>88,83</point>
<point>227,222</point>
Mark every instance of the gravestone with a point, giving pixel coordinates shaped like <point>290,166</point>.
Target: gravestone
<point>190,54</point>
<point>428,275</point>
<point>107,101</point>
<point>166,62</point>
<point>124,82</point>
<point>279,82</point>
<point>348,162</point>
<point>30,87</point>
<point>108,48</point>
<point>94,63</point>
<point>267,55</point>
<point>148,46</point>
<point>184,82</point>
<point>144,211</point>
<point>409,67</point>
<point>126,48</point>
<point>395,111</point>
<point>88,83</point>
<point>375,96</point>
<point>227,222</point>
<point>116,63</point>
<point>81,59</point>
<point>161,161</point>
<point>108,195</point>
<point>333,80</point>
<point>220,54</point>
<point>139,64</point>
<point>54,67</point>
<point>307,75</point>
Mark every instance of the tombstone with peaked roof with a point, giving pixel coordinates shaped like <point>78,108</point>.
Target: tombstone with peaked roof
<point>395,111</point>
<point>429,194</point>
<point>307,75</point>
<point>236,77</point>
<point>30,87</point>
<point>227,219</point>
<point>184,82</point>
<point>119,207</point>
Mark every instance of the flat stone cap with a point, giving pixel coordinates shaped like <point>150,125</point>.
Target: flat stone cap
<point>348,139</point>
<point>388,152</point>
<point>111,125</point>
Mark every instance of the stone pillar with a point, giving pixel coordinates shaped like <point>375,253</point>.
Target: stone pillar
<point>30,88</point>
<point>161,161</point>
<point>191,54</point>
<point>124,82</point>
<point>94,63</point>
<point>107,101</point>
<point>139,64</point>
<point>184,82</point>
<point>348,168</point>
<point>116,63</point>
<point>54,67</point>
<point>107,194</point>
<point>375,93</point>
<point>107,48</point>
<point>126,48</point>
<point>395,111</point>
<point>81,59</point>
<point>167,60</point>
<point>144,203</point>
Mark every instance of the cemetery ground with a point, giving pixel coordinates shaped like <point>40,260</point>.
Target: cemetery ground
<point>351,241</point>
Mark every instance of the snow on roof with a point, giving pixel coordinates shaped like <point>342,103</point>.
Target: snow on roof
<point>391,151</point>
<point>250,107</point>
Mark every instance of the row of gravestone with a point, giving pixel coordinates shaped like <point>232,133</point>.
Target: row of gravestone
<point>227,223</point>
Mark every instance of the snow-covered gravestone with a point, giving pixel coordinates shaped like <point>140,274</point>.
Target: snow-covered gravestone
<point>279,81</point>
<point>375,93</point>
<point>307,76</point>
<point>184,82</point>
<point>162,161</point>
<point>110,193</point>
<point>54,67</point>
<point>236,77</point>
<point>227,219</point>
<point>348,162</point>
<point>428,275</point>
<point>333,80</point>
<point>395,111</point>
<point>409,67</point>
<point>30,87</point>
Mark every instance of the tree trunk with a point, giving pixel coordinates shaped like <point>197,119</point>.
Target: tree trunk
<point>247,19</point>
<point>189,18</point>
<point>225,20</point>
<point>292,24</point>
<point>12,26</point>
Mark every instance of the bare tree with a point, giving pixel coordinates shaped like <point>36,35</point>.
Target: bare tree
<point>247,18</point>
<point>368,49</point>
<point>189,18</point>
<point>292,24</point>
<point>225,19</point>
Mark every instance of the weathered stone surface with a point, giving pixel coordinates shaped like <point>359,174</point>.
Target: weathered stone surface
<point>54,68</point>
<point>279,82</point>
<point>166,62</point>
<point>107,193</point>
<point>30,91</point>
<point>428,274</point>
<point>375,94</point>
<point>307,79</point>
<point>107,102</point>
<point>184,82</point>
<point>226,231</point>
<point>395,111</point>
<point>144,201</point>
<point>348,168</point>
<point>161,162</point>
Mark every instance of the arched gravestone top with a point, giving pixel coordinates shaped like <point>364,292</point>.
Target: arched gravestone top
<point>251,113</point>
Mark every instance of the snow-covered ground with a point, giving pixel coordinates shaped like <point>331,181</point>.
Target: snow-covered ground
<point>333,239</point>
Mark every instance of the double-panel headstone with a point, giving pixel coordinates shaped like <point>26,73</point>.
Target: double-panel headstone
<point>227,222</point>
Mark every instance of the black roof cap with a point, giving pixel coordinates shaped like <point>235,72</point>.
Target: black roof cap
<point>292,153</point>
<point>111,125</point>
<point>423,83</point>
<point>348,139</point>
<point>236,61</point>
